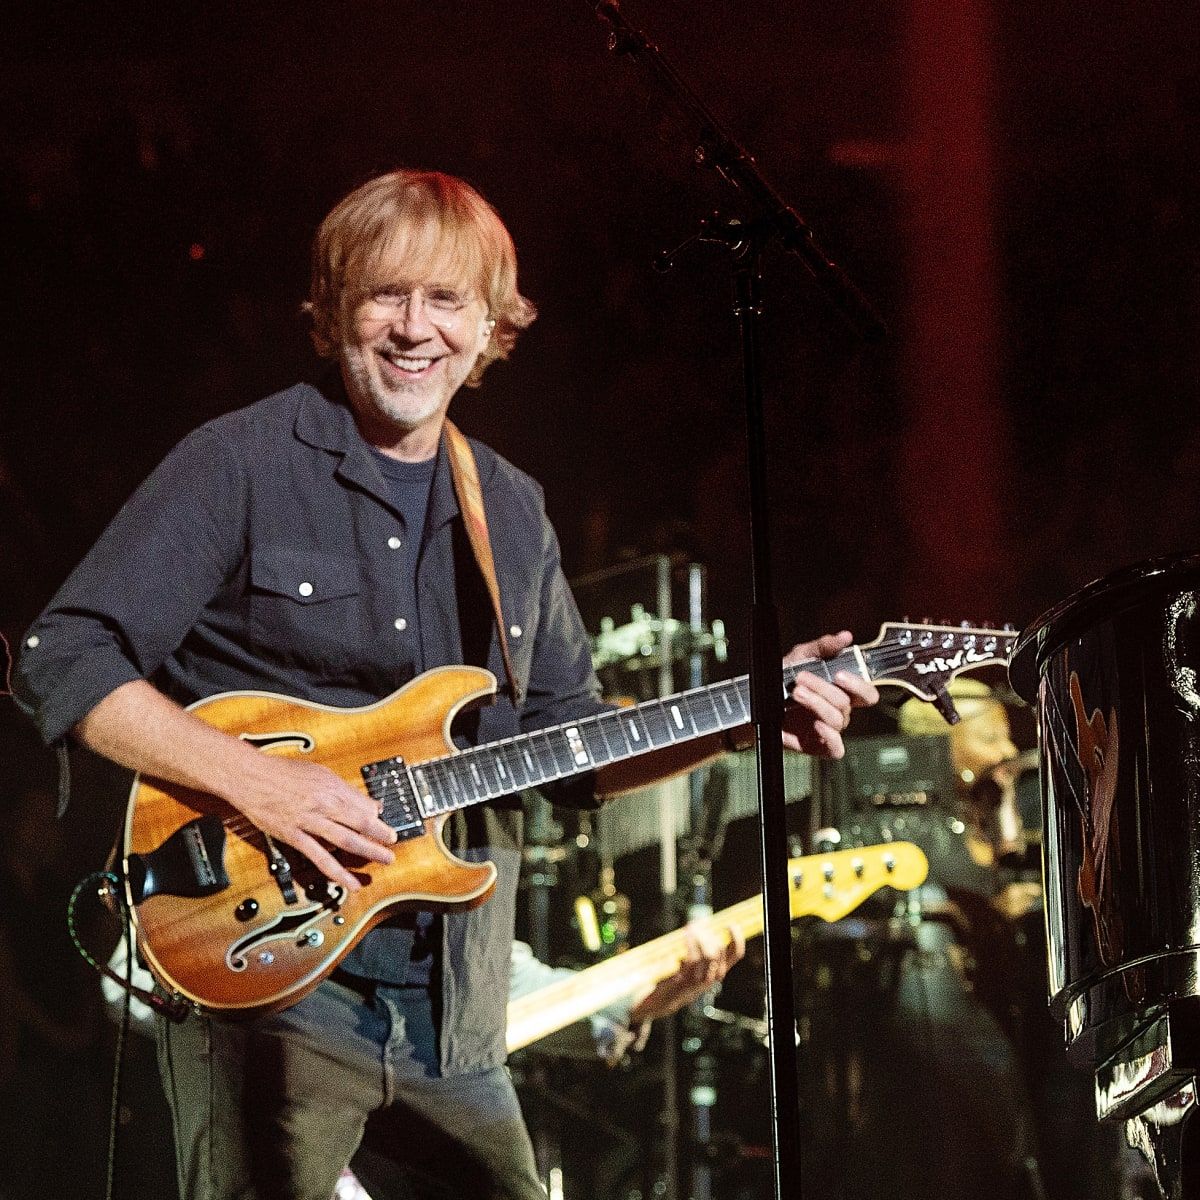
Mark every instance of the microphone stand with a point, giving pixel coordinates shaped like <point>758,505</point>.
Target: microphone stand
<point>772,218</point>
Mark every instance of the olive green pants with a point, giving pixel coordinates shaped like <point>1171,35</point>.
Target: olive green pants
<point>275,1108</point>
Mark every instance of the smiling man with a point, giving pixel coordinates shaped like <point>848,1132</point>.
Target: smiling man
<point>313,545</point>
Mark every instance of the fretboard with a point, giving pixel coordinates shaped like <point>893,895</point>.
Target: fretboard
<point>411,793</point>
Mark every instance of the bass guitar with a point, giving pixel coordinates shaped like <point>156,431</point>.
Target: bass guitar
<point>231,921</point>
<point>821,885</point>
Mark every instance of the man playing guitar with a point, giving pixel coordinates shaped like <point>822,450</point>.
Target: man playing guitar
<point>314,546</point>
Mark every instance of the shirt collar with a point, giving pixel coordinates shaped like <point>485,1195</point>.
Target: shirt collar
<point>324,420</point>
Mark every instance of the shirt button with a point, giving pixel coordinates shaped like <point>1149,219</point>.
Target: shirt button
<point>515,631</point>
<point>394,542</point>
<point>305,589</point>
<point>400,623</point>
<point>33,641</point>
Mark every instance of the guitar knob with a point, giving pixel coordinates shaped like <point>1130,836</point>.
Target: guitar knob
<point>247,909</point>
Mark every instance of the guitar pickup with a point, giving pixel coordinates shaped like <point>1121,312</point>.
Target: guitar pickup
<point>190,863</point>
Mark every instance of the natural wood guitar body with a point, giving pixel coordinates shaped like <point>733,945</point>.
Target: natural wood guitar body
<point>194,944</point>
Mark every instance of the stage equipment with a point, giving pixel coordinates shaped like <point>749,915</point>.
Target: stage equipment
<point>654,653</point>
<point>890,772</point>
<point>633,822</point>
<point>924,987</point>
<point>766,218</point>
<point>1113,672</point>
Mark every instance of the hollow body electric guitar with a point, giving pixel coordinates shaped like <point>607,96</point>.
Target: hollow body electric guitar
<point>234,922</point>
<point>821,885</point>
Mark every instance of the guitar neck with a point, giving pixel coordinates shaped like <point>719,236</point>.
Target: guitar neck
<point>920,658</point>
<point>442,785</point>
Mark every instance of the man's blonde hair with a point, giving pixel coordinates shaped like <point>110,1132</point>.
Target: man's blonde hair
<point>411,227</point>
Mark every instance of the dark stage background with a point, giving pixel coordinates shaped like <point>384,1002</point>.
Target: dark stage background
<point>1013,184</point>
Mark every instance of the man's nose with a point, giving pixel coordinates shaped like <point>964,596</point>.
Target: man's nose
<point>413,319</point>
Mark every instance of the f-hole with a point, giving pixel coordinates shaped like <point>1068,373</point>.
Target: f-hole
<point>272,741</point>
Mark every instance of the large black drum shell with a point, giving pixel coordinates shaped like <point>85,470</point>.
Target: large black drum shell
<point>1113,672</point>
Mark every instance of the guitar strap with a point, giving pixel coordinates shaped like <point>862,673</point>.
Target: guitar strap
<point>470,499</point>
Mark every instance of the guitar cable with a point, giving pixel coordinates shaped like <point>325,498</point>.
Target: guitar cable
<point>107,889</point>
<point>108,892</point>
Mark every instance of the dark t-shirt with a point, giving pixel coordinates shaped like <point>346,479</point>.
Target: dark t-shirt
<point>392,960</point>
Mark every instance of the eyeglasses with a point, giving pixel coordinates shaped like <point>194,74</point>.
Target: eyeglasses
<point>444,306</point>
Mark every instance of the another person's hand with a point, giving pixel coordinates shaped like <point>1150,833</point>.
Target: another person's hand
<point>706,963</point>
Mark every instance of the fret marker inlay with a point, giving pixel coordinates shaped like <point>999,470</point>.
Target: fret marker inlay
<point>578,751</point>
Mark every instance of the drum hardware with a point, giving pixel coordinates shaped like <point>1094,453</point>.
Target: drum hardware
<point>646,642</point>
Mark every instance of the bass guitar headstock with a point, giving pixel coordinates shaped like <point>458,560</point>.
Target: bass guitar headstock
<point>833,884</point>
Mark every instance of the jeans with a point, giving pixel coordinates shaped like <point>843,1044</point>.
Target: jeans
<point>275,1108</point>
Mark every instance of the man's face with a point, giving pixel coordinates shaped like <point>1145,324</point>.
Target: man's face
<point>410,347</point>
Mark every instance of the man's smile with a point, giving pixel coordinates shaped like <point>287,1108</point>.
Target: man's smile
<point>409,366</point>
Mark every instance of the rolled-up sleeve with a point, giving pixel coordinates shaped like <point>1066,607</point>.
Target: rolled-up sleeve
<point>130,603</point>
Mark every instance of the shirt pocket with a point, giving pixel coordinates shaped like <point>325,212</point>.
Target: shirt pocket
<point>306,606</point>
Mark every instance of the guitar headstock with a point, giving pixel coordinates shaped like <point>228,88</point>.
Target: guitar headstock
<point>831,885</point>
<point>923,659</point>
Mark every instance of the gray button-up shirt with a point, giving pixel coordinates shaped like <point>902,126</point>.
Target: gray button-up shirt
<point>261,555</point>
